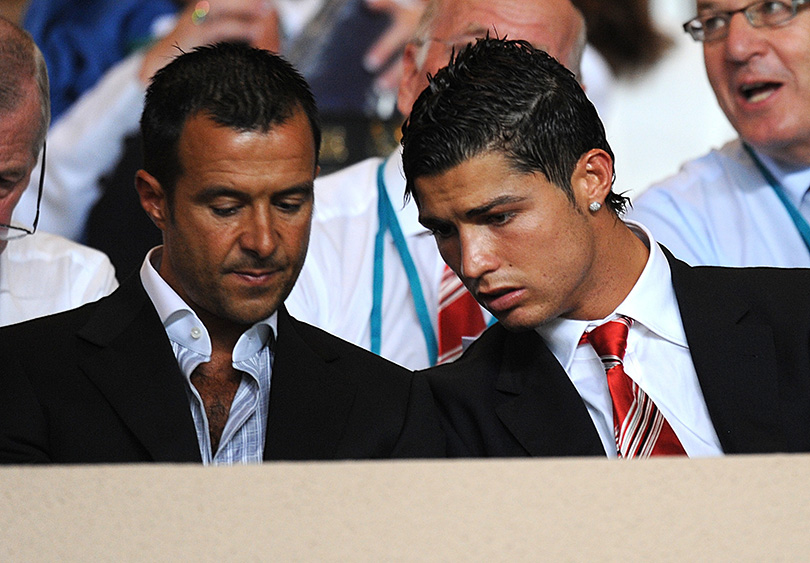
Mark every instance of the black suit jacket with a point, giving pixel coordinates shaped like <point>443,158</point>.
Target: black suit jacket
<point>100,384</point>
<point>748,331</point>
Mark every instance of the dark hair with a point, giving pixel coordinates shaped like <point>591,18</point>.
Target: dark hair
<point>504,96</point>
<point>624,33</point>
<point>237,86</point>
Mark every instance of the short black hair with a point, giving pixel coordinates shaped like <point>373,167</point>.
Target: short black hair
<point>503,96</point>
<point>236,85</point>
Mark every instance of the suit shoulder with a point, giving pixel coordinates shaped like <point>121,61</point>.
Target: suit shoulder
<point>332,347</point>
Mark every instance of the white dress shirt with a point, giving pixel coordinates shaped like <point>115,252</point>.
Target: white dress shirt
<point>42,274</point>
<point>244,434</point>
<point>657,359</point>
<point>334,290</point>
<point>720,210</point>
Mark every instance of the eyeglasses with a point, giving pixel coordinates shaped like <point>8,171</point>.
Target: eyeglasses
<point>714,25</point>
<point>12,232</point>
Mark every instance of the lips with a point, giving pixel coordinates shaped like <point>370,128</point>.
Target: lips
<point>756,92</point>
<point>255,277</point>
<point>500,300</point>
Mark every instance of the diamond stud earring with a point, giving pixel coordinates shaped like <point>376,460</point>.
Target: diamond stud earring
<point>594,206</point>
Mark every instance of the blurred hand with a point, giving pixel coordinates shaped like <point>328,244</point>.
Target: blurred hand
<point>385,56</point>
<point>251,21</point>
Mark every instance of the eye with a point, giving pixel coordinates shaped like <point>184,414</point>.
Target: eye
<point>772,8</point>
<point>226,211</point>
<point>291,205</point>
<point>499,218</point>
<point>441,231</point>
<point>714,22</point>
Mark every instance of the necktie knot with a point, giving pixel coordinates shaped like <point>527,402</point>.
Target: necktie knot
<point>609,340</point>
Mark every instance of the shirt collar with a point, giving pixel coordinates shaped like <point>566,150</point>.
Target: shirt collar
<point>651,303</point>
<point>182,324</point>
<point>794,180</point>
<point>407,213</point>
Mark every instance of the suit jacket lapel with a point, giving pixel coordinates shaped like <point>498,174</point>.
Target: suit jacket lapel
<point>135,368</point>
<point>538,403</point>
<point>734,359</point>
<point>309,401</point>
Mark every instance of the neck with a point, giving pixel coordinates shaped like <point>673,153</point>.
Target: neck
<point>620,258</point>
<point>789,158</point>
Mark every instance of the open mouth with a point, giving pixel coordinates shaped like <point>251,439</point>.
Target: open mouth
<point>759,91</point>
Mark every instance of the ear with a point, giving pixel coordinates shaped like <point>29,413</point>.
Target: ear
<point>411,84</point>
<point>153,199</point>
<point>592,179</point>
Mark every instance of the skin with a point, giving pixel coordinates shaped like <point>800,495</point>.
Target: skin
<point>774,116</point>
<point>236,233</point>
<point>522,248</point>
<point>552,25</point>
<point>18,157</point>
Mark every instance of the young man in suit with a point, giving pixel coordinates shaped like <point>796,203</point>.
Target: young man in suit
<point>605,344</point>
<point>195,358</point>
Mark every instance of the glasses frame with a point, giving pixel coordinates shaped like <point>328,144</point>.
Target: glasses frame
<point>696,28</point>
<point>13,232</point>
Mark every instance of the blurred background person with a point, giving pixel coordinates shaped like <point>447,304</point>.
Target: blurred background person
<point>39,273</point>
<point>747,203</point>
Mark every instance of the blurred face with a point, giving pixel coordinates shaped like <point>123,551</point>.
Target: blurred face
<point>551,25</point>
<point>521,247</point>
<point>18,131</point>
<point>236,232</point>
<point>761,77</point>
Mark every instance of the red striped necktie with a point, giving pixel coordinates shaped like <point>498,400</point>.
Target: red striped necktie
<point>459,315</point>
<point>639,427</point>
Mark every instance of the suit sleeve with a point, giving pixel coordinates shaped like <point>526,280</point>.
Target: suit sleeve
<point>23,429</point>
<point>421,435</point>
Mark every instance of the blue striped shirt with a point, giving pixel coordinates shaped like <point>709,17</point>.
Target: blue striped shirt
<point>244,434</point>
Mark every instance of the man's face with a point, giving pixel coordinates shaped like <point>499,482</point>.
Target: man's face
<point>521,247</point>
<point>18,131</point>
<point>761,77</point>
<point>551,25</point>
<point>236,232</point>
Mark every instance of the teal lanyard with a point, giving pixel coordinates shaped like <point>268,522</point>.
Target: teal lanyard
<point>388,222</point>
<point>798,220</point>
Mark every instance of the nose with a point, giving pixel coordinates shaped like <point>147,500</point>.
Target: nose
<point>477,254</point>
<point>258,236</point>
<point>743,40</point>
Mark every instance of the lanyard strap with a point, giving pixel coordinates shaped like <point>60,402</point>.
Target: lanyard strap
<point>388,222</point>
<point>795,215</point>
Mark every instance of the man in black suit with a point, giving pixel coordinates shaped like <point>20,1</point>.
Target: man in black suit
<point>195,358</point>
<point>606,343</point>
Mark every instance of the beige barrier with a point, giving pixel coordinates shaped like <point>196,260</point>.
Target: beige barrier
<point>733,509</point>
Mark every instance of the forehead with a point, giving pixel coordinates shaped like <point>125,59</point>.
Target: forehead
<point>546,24</point>
<point>18,132</point>
<point>722,5</point>
<point>206,147</point>
<point>475,183</point>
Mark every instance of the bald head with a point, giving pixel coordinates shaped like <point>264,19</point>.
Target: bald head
<point>554,26</point>
<point>25,77</point>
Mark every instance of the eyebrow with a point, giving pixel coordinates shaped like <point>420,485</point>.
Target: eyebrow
<point>209,194</point>
<point>487,207</point>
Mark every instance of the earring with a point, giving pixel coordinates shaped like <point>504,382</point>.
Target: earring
<point>594,206</point>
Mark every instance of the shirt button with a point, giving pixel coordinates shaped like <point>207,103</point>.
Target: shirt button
<point>196,333</point>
